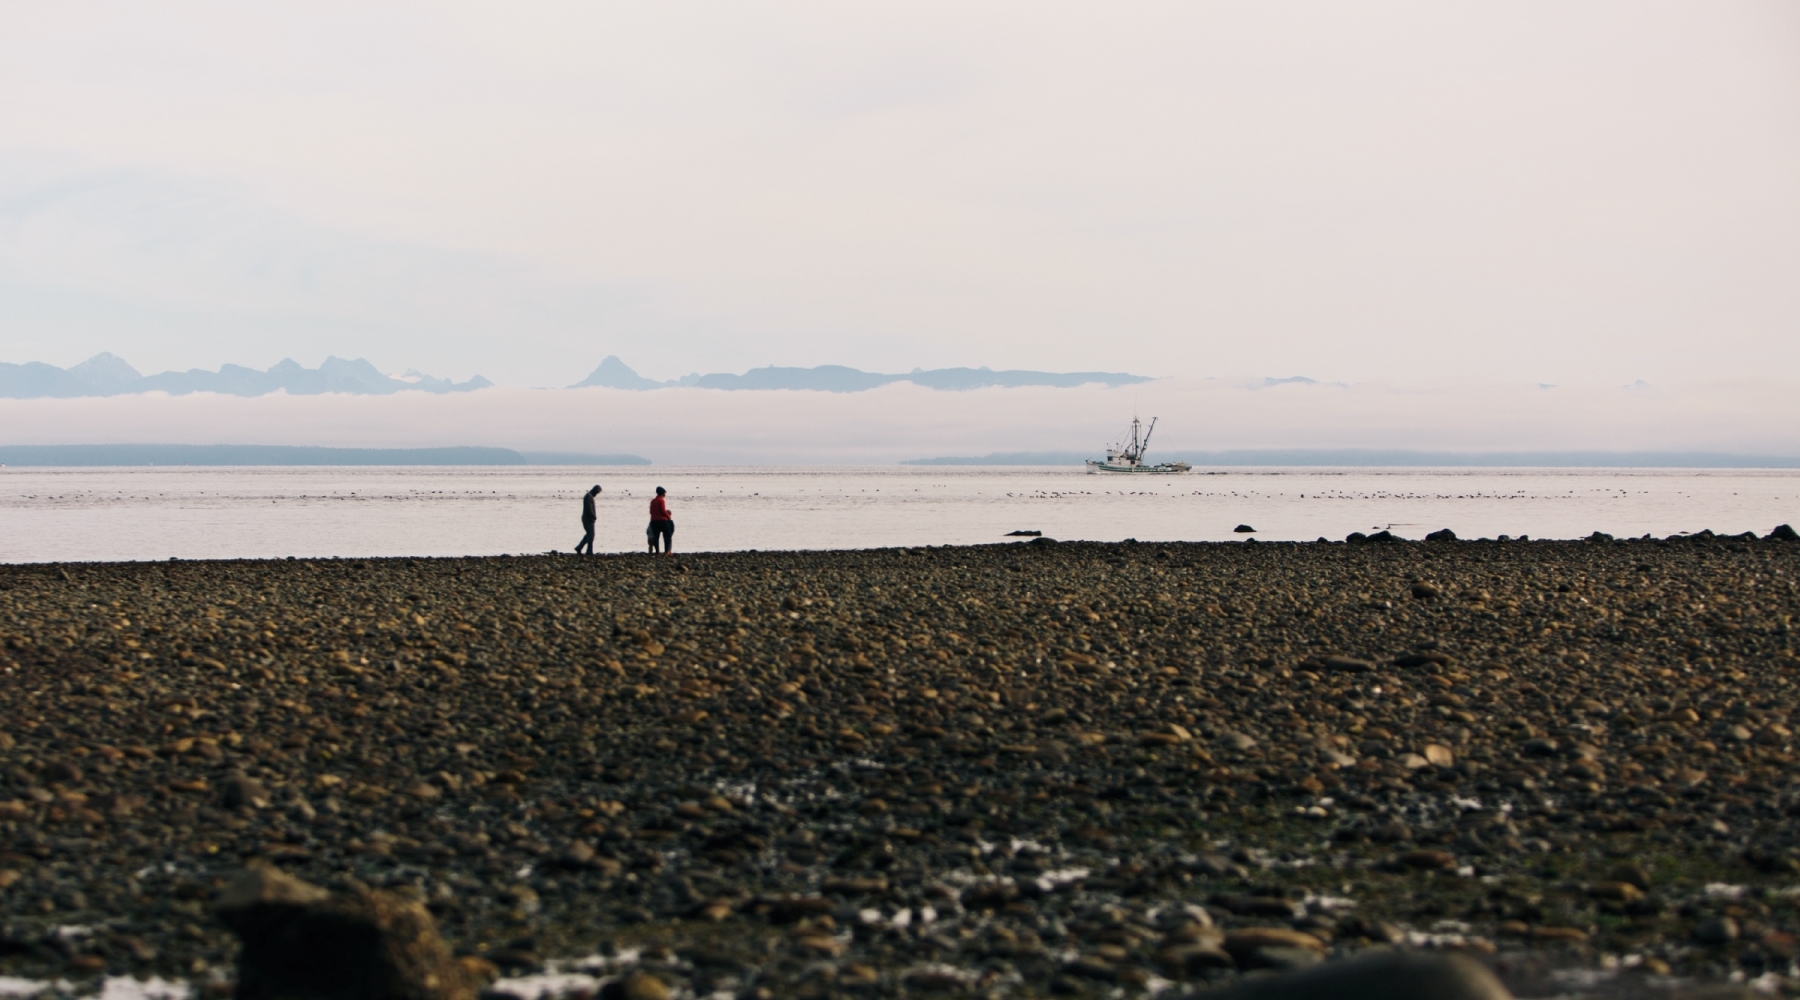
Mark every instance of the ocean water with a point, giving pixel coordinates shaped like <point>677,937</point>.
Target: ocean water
<point>208,513</point>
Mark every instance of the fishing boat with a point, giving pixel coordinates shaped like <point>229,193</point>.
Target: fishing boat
<point>1128,456</point>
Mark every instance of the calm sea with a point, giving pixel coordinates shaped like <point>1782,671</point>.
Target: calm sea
<point>196,513</point>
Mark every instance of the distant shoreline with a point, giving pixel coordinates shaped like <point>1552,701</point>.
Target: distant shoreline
<point>1403,458</point>
<point>233,455</point>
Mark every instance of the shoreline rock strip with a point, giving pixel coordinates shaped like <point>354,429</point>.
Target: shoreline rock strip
<point>1015,768</point>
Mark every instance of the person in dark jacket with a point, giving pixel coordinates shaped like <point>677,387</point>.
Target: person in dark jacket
<point>662,523</point>
<point>587,521</point>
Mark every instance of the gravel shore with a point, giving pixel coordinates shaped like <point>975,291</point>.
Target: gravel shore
<point>1014,770</point>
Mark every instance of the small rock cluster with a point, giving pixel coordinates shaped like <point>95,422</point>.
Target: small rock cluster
<point>1013,769</point>
<point>300,941</point>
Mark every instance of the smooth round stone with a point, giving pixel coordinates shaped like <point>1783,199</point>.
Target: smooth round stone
<point>1380,975</point>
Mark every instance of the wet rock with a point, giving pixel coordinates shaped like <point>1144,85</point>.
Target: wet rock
<point>636,986</point>
<point>515,960</point>
<point>1349,664</point>
<point>256,889</point>
<point>1195,959</point>
<point>1282,958</point>
<point>1784,533</point>
<point>578,854</point>
<point>1093,967</point>
<point>1631,873</point>
<point>424,791</point>
<point>1392,975</point>
<point>1243,529</point>
<point>1217,865</point>
<point>1427,860</point>
<point>299,941</point>
<point>1262,906</point>
<point>1717,930</point>
<point>1618,892</point>
<point>1773,859</point>
<point>1391,832</point>
<point>1441,535</point>
<point>1378,931</point>
<point>1200,932</point>
<point>1244,944</point>
<point>240,790</point>
<point>1425,658</point>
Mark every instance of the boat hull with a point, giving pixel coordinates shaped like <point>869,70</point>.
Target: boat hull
<point>1165,469</point>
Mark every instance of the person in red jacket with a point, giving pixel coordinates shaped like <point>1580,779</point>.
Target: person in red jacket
<point>662,523</point>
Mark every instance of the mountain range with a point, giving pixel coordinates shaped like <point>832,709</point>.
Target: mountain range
<point>109,375</point>
<point>615,374</point>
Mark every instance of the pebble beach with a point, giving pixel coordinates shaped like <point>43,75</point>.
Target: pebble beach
<point>1029,769</point>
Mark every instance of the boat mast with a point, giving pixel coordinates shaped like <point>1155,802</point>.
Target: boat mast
<point>1147,434</point>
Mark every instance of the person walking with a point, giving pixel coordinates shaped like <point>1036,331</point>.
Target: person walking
<point>662,523</point>
<point>587,521</point>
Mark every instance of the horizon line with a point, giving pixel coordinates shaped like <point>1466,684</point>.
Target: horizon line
<point>122,455</point>
<point>1406,458</point>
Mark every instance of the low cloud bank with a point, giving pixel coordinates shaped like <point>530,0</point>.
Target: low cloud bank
<point>616,374</point>
<point>681,426</point>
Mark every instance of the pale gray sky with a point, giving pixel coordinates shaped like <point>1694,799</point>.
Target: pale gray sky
<point>1593,192</point>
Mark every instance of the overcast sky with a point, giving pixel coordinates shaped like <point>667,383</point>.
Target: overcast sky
<point>1530,191</point>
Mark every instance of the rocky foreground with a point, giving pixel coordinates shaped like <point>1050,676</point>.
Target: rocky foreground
<point>1010,770</point>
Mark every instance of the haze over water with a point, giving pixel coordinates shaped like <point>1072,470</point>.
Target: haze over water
<point>216,513</point>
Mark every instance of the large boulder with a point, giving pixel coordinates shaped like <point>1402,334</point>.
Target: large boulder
<point>1382,975</point>
<point>304,943</point>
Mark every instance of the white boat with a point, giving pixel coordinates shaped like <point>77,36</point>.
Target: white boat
<point>1128,456</point>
